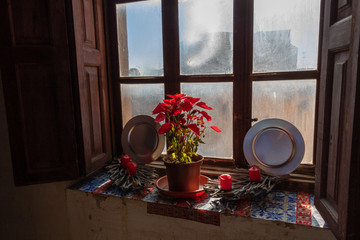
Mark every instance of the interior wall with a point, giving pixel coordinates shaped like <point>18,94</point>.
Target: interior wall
<point>95,217</point>
<point>36,212</point>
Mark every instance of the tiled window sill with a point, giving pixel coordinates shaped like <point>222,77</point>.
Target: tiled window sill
<point>288,207</point>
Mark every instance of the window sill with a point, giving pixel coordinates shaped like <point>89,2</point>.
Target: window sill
<point>302,179</point>
<point>295,208</point>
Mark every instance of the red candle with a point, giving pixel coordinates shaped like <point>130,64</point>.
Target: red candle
<point>124,160</point>
<point>225,182</point>
<point>131,168</point>
<point>254,174</point>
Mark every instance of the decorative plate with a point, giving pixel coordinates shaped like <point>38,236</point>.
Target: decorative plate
<point>140,139</point>
<point>275,146</point>
<point>162,185</point>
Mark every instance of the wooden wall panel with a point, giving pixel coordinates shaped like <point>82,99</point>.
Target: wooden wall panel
<point>89,23</point>
<point>343,8</point>
<point>38,90</point>
<point>31,22</point>
<point>92,76</point>
<point>336,126</point>
<point>92,80</point>
<point>343,3</point>
<point>42,144</point>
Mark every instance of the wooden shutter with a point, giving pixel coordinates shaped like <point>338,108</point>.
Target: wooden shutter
<point>37,84</point>
<point>92,82</point>
<point>337,156</point>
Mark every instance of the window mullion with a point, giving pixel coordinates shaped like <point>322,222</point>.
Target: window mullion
<point>243,20</point>
<point>170,21</point>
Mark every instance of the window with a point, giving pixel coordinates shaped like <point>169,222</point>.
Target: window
<point>246,59</point>
<point>140,39</point>
<point>285,39</point>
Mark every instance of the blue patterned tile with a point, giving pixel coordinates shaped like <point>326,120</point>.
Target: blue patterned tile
<point>317,220</point>
<point>204,203</point>
<point>268,213</point>
<point>275,214</point>
<point>114,191</point>
<point>312,199</point>
<point>276,196</point>
<point>130,194</point>
<point>209,207</point>
<point>258,205</point>
<point>91,183</point>
<point>275,205</point>
<point>268,210</point>
<point>258,212</point>
<point>153,196</point>
<point>290,213</point>
<point>290,207</point>
<point>292,197</point>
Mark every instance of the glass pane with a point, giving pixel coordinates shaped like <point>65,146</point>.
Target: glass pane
<point>206,36</point>
<point>286,35</point>
<point>293,101</point>
<point>219,96</point>
<point>140,38</point>
<point>140,99</point>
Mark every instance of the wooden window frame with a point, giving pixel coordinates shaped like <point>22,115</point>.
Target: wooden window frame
<point>241,78</point>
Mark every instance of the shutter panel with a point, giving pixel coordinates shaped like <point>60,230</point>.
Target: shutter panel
<point>92,82</point>
<point>37,84</point>
<point>337,155</point>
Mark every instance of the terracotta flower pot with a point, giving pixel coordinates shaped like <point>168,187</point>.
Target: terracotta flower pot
<point>184,177</point>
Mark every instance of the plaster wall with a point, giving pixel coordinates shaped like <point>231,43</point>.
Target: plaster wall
<point>107,217</point>
<point>36,212</point>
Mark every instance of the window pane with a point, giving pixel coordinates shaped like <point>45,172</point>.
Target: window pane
<point>286,35</point>
<point>140,99</point>
<point>140,39</point>
<point>293,101</point>
<point>219,96</point>
<point>206,36</point>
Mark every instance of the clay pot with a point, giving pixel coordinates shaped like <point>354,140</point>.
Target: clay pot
<point>184,177</point>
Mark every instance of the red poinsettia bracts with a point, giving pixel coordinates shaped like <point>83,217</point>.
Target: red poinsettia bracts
<point>203,105</point>
<point>160,117</point>
<point>161,107</point>
<point>195,129</point>
<point>166,127</point>
<point>215,128</point>
<point>191,99</point>
<point>184,125</point>
<point>186,106</point>
<point>207,116</point>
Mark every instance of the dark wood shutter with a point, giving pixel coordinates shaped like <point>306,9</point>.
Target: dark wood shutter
<point>37,84</point>
<point>92,82</point>
<point>337,156</point>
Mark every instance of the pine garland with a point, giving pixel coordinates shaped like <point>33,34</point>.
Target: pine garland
<point>121,178</point>
<point>242,187</point>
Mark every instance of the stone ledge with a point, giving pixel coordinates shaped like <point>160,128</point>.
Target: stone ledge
<point>288,207</point>
<point>112,217</point>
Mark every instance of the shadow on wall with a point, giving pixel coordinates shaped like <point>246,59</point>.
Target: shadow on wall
<point>36,212</point>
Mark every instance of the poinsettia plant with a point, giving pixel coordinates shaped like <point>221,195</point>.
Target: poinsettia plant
<point>184,127</point>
